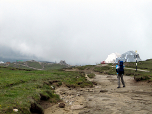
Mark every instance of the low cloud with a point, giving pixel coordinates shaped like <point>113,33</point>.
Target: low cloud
<point>80,32</point>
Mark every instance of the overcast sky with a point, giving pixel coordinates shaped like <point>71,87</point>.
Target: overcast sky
<point>77,31</point>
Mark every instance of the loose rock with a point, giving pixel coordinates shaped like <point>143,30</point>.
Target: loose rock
<point>61,105</point>
<point>103,91</point>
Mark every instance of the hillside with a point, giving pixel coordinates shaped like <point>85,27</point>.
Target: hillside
<point>35,65</point>
<point>147,65</point>
<point>109,69</point>
<point>23,89</point>
<point>26,89</point>
<point>105,97</point>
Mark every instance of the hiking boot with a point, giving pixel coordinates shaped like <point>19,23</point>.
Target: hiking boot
<point>123,86</point>
<point>118,87</point>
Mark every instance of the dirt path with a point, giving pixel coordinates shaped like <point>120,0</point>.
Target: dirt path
<point>138,69</point>
<point>105,98</point>
<point>135,69</point>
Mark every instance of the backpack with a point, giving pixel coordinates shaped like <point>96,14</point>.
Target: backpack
<point>121,69</point>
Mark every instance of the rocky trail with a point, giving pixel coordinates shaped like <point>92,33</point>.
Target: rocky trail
<point>105,98</point>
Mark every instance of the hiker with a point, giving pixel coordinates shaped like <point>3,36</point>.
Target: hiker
<point>120,72</point>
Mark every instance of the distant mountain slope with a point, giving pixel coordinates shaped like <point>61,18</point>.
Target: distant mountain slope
<point>35,65</point>
<point>9,55</point>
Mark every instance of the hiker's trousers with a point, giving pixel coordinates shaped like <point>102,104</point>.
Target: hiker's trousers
<point>120,76</point>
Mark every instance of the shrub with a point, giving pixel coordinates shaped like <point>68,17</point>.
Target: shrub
<point>91,75</point>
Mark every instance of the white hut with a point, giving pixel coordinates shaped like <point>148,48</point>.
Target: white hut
<point>1,62</point>
<point>129,56</point>
<point>112,57</point>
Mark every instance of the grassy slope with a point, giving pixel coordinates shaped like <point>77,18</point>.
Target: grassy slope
<point>34,65</point>
<point>139,75</point>
<point>105,70</point>
<point>87,67</point>
<point>20,88</point>
<point>20,65</point>
<point>147,65</point>
<point>53,66</point>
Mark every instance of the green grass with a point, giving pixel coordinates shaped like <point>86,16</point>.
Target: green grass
<point>34,64</point>
<point>20,88</point>
<point>18,65</point>
<point>87,67</point>
<point>138,75</point>
<point>91,75</point>
<point>105,70</point>
<point>147,65</point>
<point>53,66</point>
